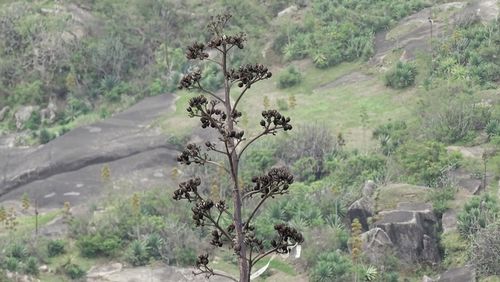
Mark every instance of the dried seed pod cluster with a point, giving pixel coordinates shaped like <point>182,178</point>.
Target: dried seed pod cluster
<point>248,74</point>
<point>190,79</point>
<point>273,117</point>
<point>216,239</point>
<point>187,190</point>
<point>252,241</point>
<point>191,154</point>
<point>276,181</point>
<point>287,236</point>
<point>202,261</point>
<point>196,51</point>
<point>228,40</point>
<point>200,210</point>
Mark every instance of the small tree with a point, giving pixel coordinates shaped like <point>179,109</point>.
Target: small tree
<point>222,115</point>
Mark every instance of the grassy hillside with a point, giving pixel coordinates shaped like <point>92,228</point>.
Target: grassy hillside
<point>355,119</point>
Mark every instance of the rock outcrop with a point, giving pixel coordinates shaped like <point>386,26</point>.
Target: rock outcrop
<point>460,274</point>
<point>412,230</point>
<point>48,114</point>
<point>376,245</point>
<point>23,114</point>
<point>363,208</point>
<point>3,113</point>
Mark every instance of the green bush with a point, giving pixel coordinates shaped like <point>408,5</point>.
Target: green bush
<point>74,271</point>
<point>34,121</point>
<point>426,163</point>
<point>401,76</point>
<point>305,169</point>
<point>391,135</point>
<point>477,213</point>
<point>333,267</point>
<point>282,104</point>
<point>440,198</point>
<point>154,245</point>
<point>98,245</point>
<point>184,256</point>
<point>493,128</point>
<point>289,77</point>
<point>45,136</point>
<point>12,264</point>
<point>55,247</point>
<point>31,266</point>
<point>18,251</point>
<point>137,253</point>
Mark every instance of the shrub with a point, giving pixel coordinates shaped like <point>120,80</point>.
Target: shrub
<point>493,128</point>
<point>31,266</point>
<point>18,251</point>
<point>282,104</point>
<point>440,198</point>
<point>426,163</point>
<point>154,244</point>
<point>12,264</point>
<point>391,135</point>
<point>485,251</point>
<point>401,76</point>
<point>45,136</point>
<point>74,271</point>
<point>184,255</point>
<point>289,77</point>
<point>137,253</point>
<point>34,121</point>
<point>55,247</point>
<point>332,267</point>
<point>304,169</point>
<point>98,245</point>
<point>478,213</point>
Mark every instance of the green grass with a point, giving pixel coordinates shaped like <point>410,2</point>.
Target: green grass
<point>455,249</point>
<point>26,224</point>
<point>389,196</point>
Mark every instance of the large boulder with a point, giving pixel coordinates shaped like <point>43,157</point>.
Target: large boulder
<point>23,114</point>
<point>363,208</point>
<point>412,230</point>
<point>48,114</point>
<point>459,274</point>
<point>3,113</point>
<point>376,245</point>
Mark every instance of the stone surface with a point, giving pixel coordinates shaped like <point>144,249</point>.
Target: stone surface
<point>48,114</point>
<point>3,113</point>
<point>364,207</point>
<point>158,273</point>
<point>472,186</point>
<point>412,230</point>
<point>376,245</point>
<point>23,114</point>
<point>126,142</point>
<point>449,220</point>
<point>461,274</point>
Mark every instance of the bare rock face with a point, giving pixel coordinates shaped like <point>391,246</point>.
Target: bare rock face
<point>116,272</point>
<point>376,245</point>
<point>3,113</point>
<point>460,274</point>
<point>412,230</point>
<point>23,114</point>
<point>48,114</point>
<point>449,220</point>
<point>363,208</point>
